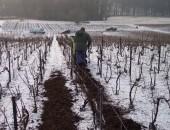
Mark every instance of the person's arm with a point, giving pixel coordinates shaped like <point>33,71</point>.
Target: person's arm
<point>89,40</point>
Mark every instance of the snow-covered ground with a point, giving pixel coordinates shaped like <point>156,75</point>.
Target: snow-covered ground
<point>57,62</point>
<point>1,23</point>
<point>139,20</point>
<point>143,101</point>
<point>22,78</point>
<point>123,24</point>
<point>143,95</point>
<point>19,87</point>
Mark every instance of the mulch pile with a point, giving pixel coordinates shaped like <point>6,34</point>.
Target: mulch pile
<point>57,110</point>
<point>110,113</point>
<point>59,116</point>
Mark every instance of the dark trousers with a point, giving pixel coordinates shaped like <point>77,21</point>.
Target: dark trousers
<point>81,57</point>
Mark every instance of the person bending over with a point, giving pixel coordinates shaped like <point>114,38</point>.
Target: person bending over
<point>82,43</point>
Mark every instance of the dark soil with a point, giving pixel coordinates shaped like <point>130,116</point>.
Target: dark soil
<point>57,111</point>
<point>113,115</point>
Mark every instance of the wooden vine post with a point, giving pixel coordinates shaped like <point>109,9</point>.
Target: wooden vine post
<point>72,58</point>
<point>15,113</point>
<point>40,60</point>
<point>101,108</point>
<point>159,59</point>
<point>101,57</point>
<point>130,67</point>
<point>9,65</point>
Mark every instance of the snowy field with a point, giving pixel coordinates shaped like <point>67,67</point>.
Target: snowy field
<point>26,84</point>
<point>123,24</point>
<point>20,83</point>
<point>151,86</point>
<point>139,20</point>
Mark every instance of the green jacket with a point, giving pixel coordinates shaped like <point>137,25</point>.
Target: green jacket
<point>82,41</point>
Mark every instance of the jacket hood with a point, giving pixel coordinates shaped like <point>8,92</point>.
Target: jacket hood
<point>80,33</point>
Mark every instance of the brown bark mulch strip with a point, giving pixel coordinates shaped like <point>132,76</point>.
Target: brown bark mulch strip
<point>57,110</point>
<point>110,113</point>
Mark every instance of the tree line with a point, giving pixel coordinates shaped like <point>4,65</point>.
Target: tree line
<point>77,10</point>
<point>53,9</point>
<point>140,8</point>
